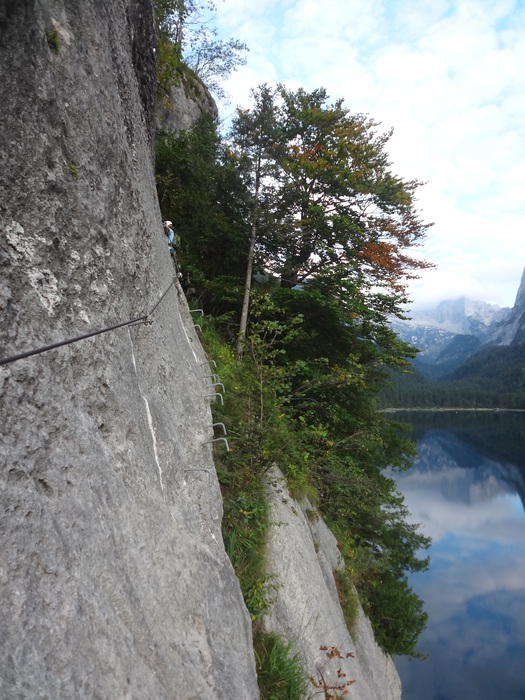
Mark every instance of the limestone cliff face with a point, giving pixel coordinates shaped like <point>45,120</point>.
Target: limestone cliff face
<point>114,582</point>
<point>187,102</point>
<point>303,555</point>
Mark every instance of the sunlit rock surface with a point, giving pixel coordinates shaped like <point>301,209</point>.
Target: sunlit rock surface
<point>114,582</point>
<point>303,554</point>
<point>187,102</point>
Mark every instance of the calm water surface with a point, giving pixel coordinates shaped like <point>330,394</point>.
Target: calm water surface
<point>467,489</point>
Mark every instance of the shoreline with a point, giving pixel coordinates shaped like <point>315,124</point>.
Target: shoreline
<point>451,409</point>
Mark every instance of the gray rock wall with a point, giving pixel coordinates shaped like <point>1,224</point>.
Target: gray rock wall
<point>187,102</point>
<point>114,582</point>
<point>303,555</point>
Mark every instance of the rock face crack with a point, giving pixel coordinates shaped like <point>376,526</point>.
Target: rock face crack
<point>154,439</point>
<point>148,414</point>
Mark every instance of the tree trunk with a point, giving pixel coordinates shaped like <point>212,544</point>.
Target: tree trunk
<point>249,266</point>
<point>247,286</point>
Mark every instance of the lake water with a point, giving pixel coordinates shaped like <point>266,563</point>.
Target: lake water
<point>467,489</point>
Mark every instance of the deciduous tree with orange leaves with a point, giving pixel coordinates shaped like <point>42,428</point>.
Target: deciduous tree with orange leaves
<point>339,203</point>
<point>336,209</point>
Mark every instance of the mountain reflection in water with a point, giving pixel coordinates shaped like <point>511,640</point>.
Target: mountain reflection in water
<point>469,497</point>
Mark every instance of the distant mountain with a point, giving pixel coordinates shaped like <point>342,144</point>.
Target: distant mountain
<point>456,353</point>
<point>462,317</point>
<point>450,333</point>
<point>456,330</point>
<point>495,366</point>
<point>511,329</point>
<point>429,339</point>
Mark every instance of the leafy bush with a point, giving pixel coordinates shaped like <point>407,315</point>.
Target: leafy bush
<point>280,673</point>
<point>398,613</point>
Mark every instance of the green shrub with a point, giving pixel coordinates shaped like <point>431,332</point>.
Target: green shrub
<point>397,612</point>
<point>280,673</point>
<point>348,599</point>
<point>53,40</point>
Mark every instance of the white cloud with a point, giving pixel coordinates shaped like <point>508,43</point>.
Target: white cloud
<point>448,76</point>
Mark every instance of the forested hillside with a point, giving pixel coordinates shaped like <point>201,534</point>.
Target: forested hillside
<point>294,238</point>
<point>492,378</point>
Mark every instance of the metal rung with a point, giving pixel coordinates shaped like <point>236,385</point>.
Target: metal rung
<point>213,425</point>
<point>217,384</point>
<point>223,439</point>
<point>208,362</point>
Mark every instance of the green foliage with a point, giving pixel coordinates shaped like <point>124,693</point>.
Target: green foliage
<point>356,498</point>
<point>201,192</point>
<point>53,40</point>
<point>398,613</point>
<point>214,60</point>
<point>170,14</point>
<point>245,521</point>
<point>280,673</point>
<point>316,184</point>
<point>251,139</point>
<point>186,37</point>
<point>340,208</point>
<point>348,599</point>
<point>245,524</point>
<point>73,169</point>
<point>362,505</point>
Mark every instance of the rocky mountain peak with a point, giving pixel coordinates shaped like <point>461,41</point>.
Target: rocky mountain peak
<point>456,328</point>
<point>520,296</point>
<point>511,330</point>
<point>463,315</point>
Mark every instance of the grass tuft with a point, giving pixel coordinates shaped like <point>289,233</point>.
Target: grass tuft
<point>53,40</point>
<point>73,169</point>
<point>348,599</point>
<point>280,673</point>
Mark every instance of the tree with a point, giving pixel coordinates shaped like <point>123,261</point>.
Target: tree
<point>252,138</point>
<point>186,34</point>
<point>200,190</point>
<point>340,207</point>
<point>341,224</point>
<point>214,60</point>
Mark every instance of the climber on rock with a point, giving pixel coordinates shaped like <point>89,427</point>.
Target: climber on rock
<point>170,236</point>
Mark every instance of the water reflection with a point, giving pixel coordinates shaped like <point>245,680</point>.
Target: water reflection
<point>472,504</point>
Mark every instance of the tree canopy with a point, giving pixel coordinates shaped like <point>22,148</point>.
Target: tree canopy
<point>296,235</point>
<point>187,35</point>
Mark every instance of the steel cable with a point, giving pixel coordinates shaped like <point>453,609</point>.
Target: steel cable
<point>69,341</point>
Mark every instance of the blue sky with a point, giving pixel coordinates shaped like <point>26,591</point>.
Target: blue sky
<point>449,77</point>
